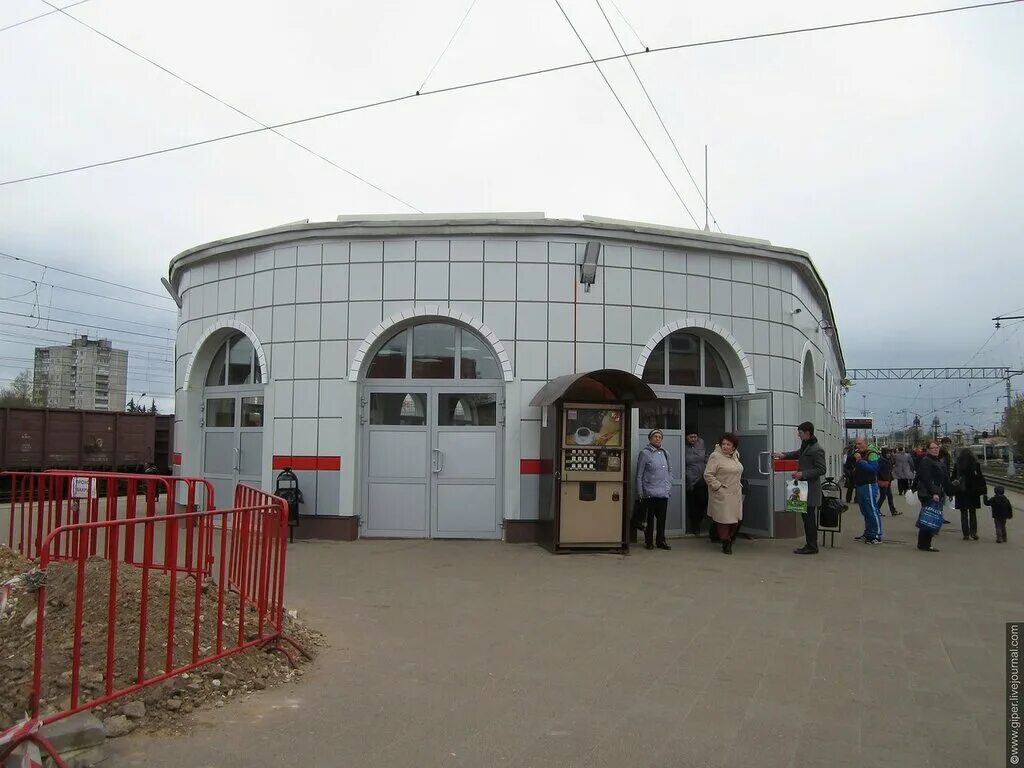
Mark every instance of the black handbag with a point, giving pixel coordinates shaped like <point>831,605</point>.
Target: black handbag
<point>638,520</point>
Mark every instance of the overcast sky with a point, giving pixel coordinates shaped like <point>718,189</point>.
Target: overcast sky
<point>892,153</point>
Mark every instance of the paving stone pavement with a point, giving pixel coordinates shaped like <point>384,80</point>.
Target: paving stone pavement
<point>457,653</point>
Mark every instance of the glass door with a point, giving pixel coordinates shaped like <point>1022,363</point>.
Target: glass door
<point>232,442</point>
<point>752,423</point>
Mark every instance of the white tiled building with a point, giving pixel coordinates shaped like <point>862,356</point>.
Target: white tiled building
<point>391,360</point>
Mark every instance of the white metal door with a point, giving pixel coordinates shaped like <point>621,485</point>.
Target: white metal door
<point>752,424</point>
<point>232,441</point>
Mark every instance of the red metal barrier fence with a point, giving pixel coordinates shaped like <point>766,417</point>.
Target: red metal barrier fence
<point>241,549</point>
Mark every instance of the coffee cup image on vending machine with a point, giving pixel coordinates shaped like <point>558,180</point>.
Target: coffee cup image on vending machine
<point>584,436</point>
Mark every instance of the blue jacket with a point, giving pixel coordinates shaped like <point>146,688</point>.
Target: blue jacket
<point>865,471</point>
<point>653,473</point>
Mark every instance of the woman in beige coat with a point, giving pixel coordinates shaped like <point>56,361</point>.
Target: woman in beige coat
<point>724,475</point>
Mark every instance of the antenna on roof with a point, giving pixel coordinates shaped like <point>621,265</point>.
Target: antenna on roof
<point>706,188</point>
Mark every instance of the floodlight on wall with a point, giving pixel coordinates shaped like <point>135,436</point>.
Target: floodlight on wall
<point>588,269</point>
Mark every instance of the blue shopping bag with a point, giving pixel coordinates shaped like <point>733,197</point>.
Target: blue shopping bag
<point>930,517</point>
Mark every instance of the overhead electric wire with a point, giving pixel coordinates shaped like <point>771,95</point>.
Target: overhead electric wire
<point>68,336</point>
<point>235,109</point>
<point>623,17</point>
<point>650,101</point>
<point>86,277</point>
<point>88,293</point>
<point>628,116</point>
<point>87,325</point>
<point>42,15</point>
<point>450,41</point>
<point>505,79</point>
<point>89,314</point>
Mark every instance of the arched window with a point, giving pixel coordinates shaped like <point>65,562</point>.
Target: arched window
<point>235,362</point>
<point>434,351</point>
<point>687,360</point>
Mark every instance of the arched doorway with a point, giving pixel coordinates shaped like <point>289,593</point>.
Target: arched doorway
<point>433,412</point>
<point>232,417</point>
<point>702,387</point>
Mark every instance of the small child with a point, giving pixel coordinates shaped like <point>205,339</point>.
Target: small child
<point>1001,512</point>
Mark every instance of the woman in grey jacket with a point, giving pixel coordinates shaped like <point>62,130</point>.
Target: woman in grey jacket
<point>654,486</point>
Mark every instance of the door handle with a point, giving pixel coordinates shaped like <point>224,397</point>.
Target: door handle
<point>435,465</point>
<point>760,462</point>
<point>238,459</point>
<point>440,454</point>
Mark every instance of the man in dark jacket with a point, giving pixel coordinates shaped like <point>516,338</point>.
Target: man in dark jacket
<point>811,469</point>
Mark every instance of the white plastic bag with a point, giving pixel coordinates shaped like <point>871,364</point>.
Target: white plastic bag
<point>912,498</point>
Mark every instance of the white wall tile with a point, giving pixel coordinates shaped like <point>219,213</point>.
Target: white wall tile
<point>432,250</point>
<point>282,364</point>
<point>645,323</point>
<point>307,322</point>
<point>532,321</point>
<point>399,250</point>
<point>432,280</point>
<point>775,306</point>
<point>589,322</point>
<point>698,264</point>
<point>334,320</point>
<point>310,254</point>
<point>774,275</point>
<point>648,258</point>
<point>761,372</point>
<point>226,267</point>
<point>675,261</point>
<point>617,325</point>
<point>499,281</point>
<point>761,311</point>
<point>263,289</point>
<point>264,260</point>
<point>304,434</point>
<point>648,288</point>
<point>284,323</point>
<point>307,397</point>
<point>532,282</point>
<point>698,293</point>
<point>742,269</point>
<point>743,331</point>
<point>331,431</point>
<point>467,281</point>
<point>336,253</point>
<point>527,390</point>
<point>474,309</point>
<point>721,267</point>
<point>211,293</point>
<point>675,291</point>
<point>307,283</point>
<point>244,292</point>
<point>563,282</point>
<point>335,282</point>
<point>282,437</point>
<point>531,360</point>
<point>721,296</point>
<point>467,250</point>
<point>366,251</point>
<point>365,281</point>
<point>743,299</point>
<point>529,439</point>
<point>285,257</point>
<point>226,295</point>
<point>562,253</point>
<point>284,285</point>
<point>560,322</point>
<point>761,335</point>
<point>615,256</point>
<point>262,320</point>
<point>499,250</point>
<point>595,295</point>
<point>399,280</point>
<point>589,357</point>
<point>334,362</point>
<point>532,251</point>
<point>616,286</point>
<point>560,358</point>
<point>245,264</point>
<point>500,317</point>
<point>775,339</point>
<point>760,273</point>
<point>362,317</point>
<point>777,378</point>
<point>619,356</point>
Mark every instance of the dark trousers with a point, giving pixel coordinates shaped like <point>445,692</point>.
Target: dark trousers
<point>727,531</point>
<point>1000,528</point>
<point>883,494</point>
<point>656,511</point>
<point>969,522</point>
<point>903,485</point>
<point>811,527</point>
<point>924,538</point>
<point>696,507</point>
<point>849,490</point>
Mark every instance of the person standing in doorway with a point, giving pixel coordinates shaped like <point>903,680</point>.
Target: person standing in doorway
<point>724,476</point>
<point>654,486</point>
<point>932,488</point>
<point>696,459</point>
<point>969,487</point>
<point>811,468</point>
<point>865,483</point>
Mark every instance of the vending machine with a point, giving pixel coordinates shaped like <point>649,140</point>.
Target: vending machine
<point>592,508</point>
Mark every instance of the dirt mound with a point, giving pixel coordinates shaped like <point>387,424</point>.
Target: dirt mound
<point>165,705</point>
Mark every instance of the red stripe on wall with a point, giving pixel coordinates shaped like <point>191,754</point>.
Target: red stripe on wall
<point>536,467</point>
<point>177,459</point>
<point>323,463</point>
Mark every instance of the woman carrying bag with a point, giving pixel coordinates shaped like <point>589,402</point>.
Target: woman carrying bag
<point>724,474</point>
<point>969,487</point>
<point>933,487</point>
